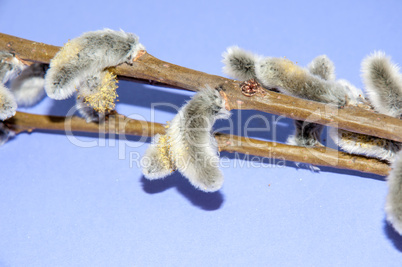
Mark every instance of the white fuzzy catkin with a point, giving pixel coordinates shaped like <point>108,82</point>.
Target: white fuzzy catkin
<point>284,75</point>
<point>393,206</point>
<point>8,106</point>
<point>188,144</point>
<point>366,145</point>
<point>10,66</point>
<point>239,64</point>
<point>317,83</point>
<point>308,134</point>
<point>28,87</point>
<point>360,144</point>
<point>293,80</point>
<point>355,95</point>
<point>383,84</point>
<point>323,67</point>
<point>86,56</point>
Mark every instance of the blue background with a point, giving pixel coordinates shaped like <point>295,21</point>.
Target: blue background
<point>65,205</point>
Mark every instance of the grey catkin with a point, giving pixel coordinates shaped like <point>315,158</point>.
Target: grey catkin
<point>393,206</point>
<point>383,83</point>
<point>10,66</point>
<point>309,134</point>
<point>28,87</point>
<point>8,106</point>
<point>189,145</point>
<point>86,56</point>
<point>286,76</point>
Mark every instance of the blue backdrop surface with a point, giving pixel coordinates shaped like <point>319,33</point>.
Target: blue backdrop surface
<point>82,200</point>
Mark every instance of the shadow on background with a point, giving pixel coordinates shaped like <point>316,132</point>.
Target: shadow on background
<point>133,94</point>
<point>206,201</point>
<point>393,235</point>
<point>61,107</point>
<point>145,95</point>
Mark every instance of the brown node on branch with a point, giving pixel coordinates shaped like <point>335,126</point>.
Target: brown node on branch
<point>250,87</point>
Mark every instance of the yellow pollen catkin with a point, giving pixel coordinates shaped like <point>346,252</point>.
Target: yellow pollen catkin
<point>104,98</point>
<point>363,141</point>
<point>164,152</point>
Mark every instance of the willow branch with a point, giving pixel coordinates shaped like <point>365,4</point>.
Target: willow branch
<point>148,68</point>
<point>122,125</point>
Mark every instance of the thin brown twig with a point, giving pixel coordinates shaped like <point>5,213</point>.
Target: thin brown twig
<point>149,68</point>
<point>122,125</point>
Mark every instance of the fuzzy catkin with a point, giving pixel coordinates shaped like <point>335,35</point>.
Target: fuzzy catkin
<point>383,83</point>
<point>286,76</point>
<point>308,134</point>
<point>239,64</point>
<point>87,56</point>
<point>28,87</point>
<point>156,160</point>
<point>393,206</point>
<point>99,91</point>
<point>323,67</point>
<point>367,145</point>
<point>10,66</point>
<point>384,86</point>
<point>96,96</point>
<point>8,106</point>
<point>293,80</point>
<point>188,144</point>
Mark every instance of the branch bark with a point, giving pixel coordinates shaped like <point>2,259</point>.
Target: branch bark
<point>148,68</point>
<point>122,125</point>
